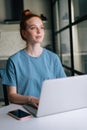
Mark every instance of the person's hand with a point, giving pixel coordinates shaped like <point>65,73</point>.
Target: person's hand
<point>33,101</point>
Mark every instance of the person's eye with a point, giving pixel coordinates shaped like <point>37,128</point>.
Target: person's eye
<point>32,27</point>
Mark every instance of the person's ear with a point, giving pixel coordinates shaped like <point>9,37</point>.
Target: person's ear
<point>24,34</point>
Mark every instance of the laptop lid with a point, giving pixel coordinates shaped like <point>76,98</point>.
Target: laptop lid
<point>61,95</point>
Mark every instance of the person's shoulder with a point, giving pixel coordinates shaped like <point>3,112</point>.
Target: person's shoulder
<point>50,53</point>
<point>16,55</point>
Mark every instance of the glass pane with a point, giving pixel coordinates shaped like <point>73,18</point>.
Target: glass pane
<point>65,47</point>
<point>79,9</point>
<point>63,13</point>
<point>57,44</point>
<point>55,12</point>
<point>80,46</point>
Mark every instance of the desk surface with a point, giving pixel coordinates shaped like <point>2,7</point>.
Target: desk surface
<point>73,120</point>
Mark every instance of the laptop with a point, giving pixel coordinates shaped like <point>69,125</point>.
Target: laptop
<point>61,95</point>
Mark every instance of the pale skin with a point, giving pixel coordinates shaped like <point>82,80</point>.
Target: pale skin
<point>34,35</point>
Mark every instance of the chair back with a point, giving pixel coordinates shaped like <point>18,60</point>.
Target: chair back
<point>5,91</point>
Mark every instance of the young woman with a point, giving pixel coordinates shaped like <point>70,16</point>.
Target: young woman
<point>28,68</point>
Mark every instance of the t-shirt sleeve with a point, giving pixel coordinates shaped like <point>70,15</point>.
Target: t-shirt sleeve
<point>10,74</point>
<point>59,68</point>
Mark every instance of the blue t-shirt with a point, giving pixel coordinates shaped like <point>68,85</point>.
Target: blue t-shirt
<point>27,73</point>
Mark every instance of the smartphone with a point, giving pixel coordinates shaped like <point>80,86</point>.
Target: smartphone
<point>19,114</point>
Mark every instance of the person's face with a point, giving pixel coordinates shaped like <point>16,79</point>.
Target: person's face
<point>34,32</point>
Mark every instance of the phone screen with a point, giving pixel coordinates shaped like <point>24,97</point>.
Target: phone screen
<point>19,114</point>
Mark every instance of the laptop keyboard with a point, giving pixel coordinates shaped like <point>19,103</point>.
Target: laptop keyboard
<point>30,108</point>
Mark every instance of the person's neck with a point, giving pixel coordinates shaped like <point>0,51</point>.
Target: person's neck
<point>34,51</point>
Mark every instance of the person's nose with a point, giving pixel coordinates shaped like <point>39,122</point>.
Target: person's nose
<point>38,30</point>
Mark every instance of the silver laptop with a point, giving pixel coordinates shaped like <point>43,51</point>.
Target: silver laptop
<point>61,95</point>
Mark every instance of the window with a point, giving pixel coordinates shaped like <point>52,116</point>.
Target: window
<point>70,34</point>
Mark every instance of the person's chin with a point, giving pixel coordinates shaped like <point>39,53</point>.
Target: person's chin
<point>39,40</point>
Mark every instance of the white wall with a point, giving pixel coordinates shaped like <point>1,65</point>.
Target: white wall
<point>2,10</point>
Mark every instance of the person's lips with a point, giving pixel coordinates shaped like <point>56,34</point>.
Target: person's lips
<point>38,37</point>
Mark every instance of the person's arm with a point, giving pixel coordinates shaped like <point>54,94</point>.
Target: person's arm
<point>20,99</point>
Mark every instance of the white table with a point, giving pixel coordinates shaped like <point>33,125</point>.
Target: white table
<point>73,120</point>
